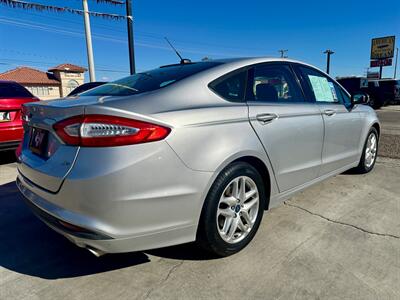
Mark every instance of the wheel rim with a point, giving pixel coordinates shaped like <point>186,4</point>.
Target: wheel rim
<point>370,150</point>
<point>237,209</point>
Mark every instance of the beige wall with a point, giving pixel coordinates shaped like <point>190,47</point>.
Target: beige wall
<point>69,81</point>
<point>44,92</point>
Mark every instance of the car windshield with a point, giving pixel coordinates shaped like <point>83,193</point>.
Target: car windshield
<point>150,80</point>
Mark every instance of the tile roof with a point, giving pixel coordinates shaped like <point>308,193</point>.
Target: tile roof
<point>68,67</point>
<point>29,76</point>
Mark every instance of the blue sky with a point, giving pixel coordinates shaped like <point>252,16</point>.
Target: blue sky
<point>200,28</point>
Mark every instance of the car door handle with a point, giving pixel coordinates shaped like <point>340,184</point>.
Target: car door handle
<point>329,112</point>
<point>266,118</point>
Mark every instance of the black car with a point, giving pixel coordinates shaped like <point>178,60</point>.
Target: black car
<point>380,91</point>
<point>386,90</point>
<point>84,87</point>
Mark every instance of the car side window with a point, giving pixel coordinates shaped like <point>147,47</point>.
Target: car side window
<point>274,83</point>
<point>345,97</point>
<point>324,89</point>
<point>231,86</point>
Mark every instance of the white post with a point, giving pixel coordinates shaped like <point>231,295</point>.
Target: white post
<point>88,41</point>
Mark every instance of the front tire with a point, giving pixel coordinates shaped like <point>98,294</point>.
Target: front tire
<point>370,152</point>
<point>232,211</point>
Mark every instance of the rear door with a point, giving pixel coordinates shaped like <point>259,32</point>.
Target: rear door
<point>342,124</point>
<point>289,126</point>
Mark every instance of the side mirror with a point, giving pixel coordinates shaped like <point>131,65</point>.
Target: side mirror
<point>359,98</point>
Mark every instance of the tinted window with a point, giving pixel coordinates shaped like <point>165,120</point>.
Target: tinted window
<point>323,88</point>
<point>150,80</point>
<point>84,87</point>
<point>231,86</point>
<point>13,90</point>
<point>274,83</point>
<point>344,96</point>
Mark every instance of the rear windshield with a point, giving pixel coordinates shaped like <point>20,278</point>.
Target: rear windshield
<point>13,90</point>
<point>150,80</point>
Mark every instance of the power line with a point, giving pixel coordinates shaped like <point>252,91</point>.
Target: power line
<point>109,38</point>
<point>41,7</point>
<point>148,34</point>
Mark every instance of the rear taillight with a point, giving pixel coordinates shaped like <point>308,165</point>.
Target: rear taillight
<point>107,131</point>
<point>24,115</point>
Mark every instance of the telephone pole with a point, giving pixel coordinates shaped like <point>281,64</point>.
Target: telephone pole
<point>130,36</point>
<point>328,59</point>
<point>282,52</point>
<point>89,46</point>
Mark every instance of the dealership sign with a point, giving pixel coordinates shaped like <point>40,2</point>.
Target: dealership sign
<point>381,62</point>
<point>383,47</point>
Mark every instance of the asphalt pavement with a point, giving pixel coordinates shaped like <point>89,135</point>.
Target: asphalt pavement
<point>339,239</point>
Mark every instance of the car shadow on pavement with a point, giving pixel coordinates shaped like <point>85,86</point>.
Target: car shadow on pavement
<point>7,157</point>
<point>28,246</point>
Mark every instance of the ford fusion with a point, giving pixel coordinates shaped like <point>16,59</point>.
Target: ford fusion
<point>189,152</point>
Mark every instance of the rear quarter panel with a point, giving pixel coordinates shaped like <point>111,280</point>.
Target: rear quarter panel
<point>208,139</point>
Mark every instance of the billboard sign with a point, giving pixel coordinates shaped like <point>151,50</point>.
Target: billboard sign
<point>383,47</point>
<point>382,62</point>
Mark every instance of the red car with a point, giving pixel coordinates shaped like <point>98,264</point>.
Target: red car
<point>12,96</point>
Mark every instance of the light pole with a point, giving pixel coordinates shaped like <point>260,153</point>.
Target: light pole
<point>328,59</point>
<point>89,46</point>
<point>130,36</point>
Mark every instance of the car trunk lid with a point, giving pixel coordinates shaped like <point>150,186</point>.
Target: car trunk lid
<point>45,160</point>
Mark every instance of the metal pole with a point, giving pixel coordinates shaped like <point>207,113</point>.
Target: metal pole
<point>380,70</point>
<point>89,47</point>
<point>395,65</point>
<point>328,59</point>
<point>130,36</point>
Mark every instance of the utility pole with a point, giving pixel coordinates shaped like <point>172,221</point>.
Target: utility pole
<point>328,59</point>
<point>395,64</point>
<point>130,36</point>
<point>282,52</point>
<point>89,47</point>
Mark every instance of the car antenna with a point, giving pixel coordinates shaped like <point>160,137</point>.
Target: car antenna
<point>183,60</point>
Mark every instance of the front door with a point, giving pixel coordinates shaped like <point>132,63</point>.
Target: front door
<point>342,124</point>
<point>290,128</point>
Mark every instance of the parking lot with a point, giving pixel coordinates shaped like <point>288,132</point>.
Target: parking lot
<point>339,239</point>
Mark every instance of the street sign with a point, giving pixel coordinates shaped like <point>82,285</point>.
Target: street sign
<point>383,47</point>
<point>381,62</point>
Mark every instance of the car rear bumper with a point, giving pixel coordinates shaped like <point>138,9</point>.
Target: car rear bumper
<point>10,135</point>
<point>12,145</point>
<point>124,210</point>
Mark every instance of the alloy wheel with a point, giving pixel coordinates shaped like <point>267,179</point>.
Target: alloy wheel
<point>237,209</point>
<point>370,150</point>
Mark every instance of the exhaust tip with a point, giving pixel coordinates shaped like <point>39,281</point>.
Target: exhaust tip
<point>96,252</point>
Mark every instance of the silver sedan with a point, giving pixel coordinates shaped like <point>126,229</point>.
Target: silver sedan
<point>189,152</point>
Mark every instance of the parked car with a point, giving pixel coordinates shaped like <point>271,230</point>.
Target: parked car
<point>85,87</point>
<point>189,152</point>
<point>356,85</point>
<point>386,90</point>
<point>12,96</point>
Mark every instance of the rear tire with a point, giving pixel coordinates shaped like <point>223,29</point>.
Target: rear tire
<point>370,152</point>
<point>230,216</point>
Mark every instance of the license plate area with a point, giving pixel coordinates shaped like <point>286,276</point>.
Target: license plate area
<point>5,116</point>
<point>38,141</point>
